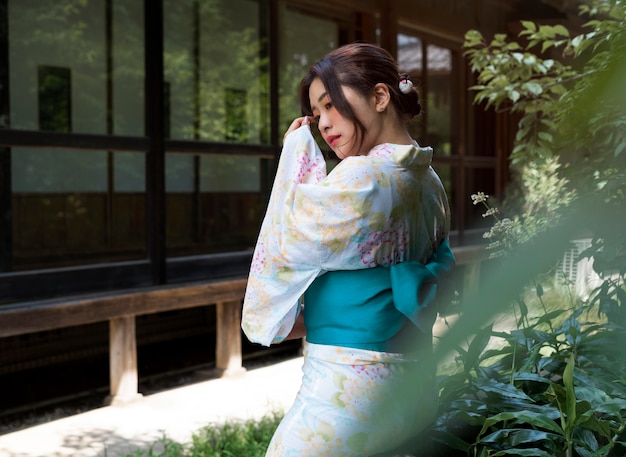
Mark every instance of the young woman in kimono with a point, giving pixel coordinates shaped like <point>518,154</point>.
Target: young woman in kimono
<point>350,260</point>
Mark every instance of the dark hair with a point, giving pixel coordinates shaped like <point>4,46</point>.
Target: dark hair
<point>359,66</point>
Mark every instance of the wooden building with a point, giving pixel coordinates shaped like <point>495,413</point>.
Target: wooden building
<point>138,140</point>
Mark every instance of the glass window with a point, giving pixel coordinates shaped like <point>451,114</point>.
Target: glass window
<point>433,76</point>
<point>303,40</point>
<point>215,71</point>
<point>129,172</point>
<point>127,68</point>
<point>53,171</point>
<point>410,61</point>
<point>217,89</point>
<point>74,67</point>
<point>230,174</point>
<point>214,203</point>
<point>66,212</point>
<point>127,210</point>
<point>439,98</point>
<point>232,203</point>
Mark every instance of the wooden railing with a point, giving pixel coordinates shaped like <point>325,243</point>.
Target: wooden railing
<point>121,308</point>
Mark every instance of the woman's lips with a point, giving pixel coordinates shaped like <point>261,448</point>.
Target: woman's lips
<point>332,140</point>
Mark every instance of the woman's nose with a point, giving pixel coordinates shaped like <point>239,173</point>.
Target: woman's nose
<point>323,123</point>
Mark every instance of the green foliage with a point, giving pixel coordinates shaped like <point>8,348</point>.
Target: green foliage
<point>544,194</point>
<point>568,92</point>
<point>550,390</point>
<point>231,439</point>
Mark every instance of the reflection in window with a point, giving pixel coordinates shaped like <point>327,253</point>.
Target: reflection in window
<point>230,174</point>
<point>214,203</point>
<point>433,75</point>
<point>230,198</point>
<point>215,61</point>
<point>55,99</point>
<point>303,41</point>
<point>128,205</point>
<point>410,62</point>
<point>49,171</point>
<point>64,211</point>
<point>127,72</point>
<point>236,101</point>
<point>410,55</point>
<point>439,102</point>
<point>67,73</point>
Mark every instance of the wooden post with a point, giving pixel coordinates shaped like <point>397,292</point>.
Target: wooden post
<point>123,361</point>
<point>228,358</point>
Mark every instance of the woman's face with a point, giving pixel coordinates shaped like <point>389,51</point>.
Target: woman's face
<point>339,132</point>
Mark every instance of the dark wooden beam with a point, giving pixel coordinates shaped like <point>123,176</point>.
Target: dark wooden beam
<point>6,219</point>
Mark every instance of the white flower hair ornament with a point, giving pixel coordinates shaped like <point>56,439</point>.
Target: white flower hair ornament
<point>405,85</point>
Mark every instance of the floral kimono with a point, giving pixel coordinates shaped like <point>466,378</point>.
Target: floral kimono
<point>370,214</point>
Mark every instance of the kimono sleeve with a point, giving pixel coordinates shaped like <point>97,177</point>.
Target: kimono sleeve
<point>277,277</point>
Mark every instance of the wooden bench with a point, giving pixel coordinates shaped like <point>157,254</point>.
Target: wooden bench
<point>120,309</point>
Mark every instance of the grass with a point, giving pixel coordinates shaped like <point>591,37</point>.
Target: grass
<point>232,439</point>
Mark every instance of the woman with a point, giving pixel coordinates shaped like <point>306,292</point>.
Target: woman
<point>364,245</point>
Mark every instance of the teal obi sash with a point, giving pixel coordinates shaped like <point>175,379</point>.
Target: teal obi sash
<point>368,309</point>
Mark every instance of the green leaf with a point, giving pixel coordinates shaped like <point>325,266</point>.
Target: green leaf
<point>529,26</point>
<point>530,452</point>
<point>561,30</point>
<point>473,38</point>
<point>570,395</point>
<point>533,87</point>
<point>476,347</point>
<point>547,31</point>
<point>534,419</point>
<point>450,440</point>
<point>614,406</point>
<point>514,437</point>
<point>506,390</point>
<point>546,137</point>
<point>547,45</point>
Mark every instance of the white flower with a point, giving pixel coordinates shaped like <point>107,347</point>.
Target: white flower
<point>479,197</point>
<point>490,212</point>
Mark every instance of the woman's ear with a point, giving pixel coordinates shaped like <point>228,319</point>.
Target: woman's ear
<point>382,97</point>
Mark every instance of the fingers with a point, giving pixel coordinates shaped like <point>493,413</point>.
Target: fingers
<point>296,124</point>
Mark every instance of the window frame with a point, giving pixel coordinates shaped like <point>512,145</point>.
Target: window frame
<point>463,136</point>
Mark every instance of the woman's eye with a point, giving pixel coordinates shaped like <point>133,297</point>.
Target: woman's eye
<point>328,105</point>
<point>316,119</point>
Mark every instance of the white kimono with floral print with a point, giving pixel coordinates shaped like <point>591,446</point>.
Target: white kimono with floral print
<point>382,208</point>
